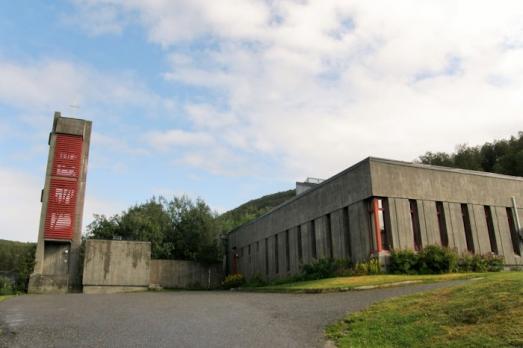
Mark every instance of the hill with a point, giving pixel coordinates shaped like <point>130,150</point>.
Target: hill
<point>252,209</point>
<point>17,262</point>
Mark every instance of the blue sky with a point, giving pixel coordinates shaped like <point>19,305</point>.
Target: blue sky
<point>234,99</point>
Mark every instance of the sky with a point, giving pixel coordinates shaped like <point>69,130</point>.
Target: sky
<point>230,100</point>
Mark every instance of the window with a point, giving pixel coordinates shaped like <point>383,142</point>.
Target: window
<point>490,228</point>
<point>442,224</point>
<point>346,230</point>
<point>313,240</point>
<point>287,251</point>
<point>468,229</point>
<point>300,246</point>
<point>329,236</point>
<point>267,256</point>
<point>379,222</point>
<point>416,230</point>
<point>276,261</point>
<point>514,235</point>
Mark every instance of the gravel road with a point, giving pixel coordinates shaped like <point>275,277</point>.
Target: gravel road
<point>182,318</point>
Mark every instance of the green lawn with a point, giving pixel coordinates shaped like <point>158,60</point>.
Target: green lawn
<point>487,312</point>
<point>362,282</point>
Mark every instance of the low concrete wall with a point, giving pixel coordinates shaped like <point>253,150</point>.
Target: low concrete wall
<point>116,266</point>
<point>185,274</point>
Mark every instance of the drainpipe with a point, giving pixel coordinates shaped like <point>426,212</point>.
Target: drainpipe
<point>516,215</point>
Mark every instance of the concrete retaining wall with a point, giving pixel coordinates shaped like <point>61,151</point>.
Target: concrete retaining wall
<point>116,266</point>
<point>185,274</point>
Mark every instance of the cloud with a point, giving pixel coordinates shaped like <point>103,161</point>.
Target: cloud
<point>320,85</point>
<point>20,202</point>
<point>178,137</point>
<point>56,84</point>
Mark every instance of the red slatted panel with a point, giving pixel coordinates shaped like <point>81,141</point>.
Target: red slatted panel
<point>67,156</point>
<point>61,208</point>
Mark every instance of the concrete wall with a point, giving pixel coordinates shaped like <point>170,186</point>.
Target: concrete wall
<point>310,207</point>
<point>342,200</point>
<point>116,266</point>
<point>400,181</point>
<point>185,274</point>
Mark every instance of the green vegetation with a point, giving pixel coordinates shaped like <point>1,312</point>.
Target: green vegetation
<point>180,228</point>
<point>233,281</point>
<point>177,229</point>
<point>253,209</point>
<point>434,259</point>
<point>487,312</point>
<point>16,265</point>
<point>361,282</point>
<point>500,156</point>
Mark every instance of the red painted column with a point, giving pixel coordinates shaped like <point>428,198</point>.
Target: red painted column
<point>377,230</point>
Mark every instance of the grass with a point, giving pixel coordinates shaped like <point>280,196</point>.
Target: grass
<point>4,297</point>
<point>362,282</point>
<point>487,312</point>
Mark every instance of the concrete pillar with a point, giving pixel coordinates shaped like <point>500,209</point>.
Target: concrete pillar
<point>480,224</point>
<point>505,237</point>
<point>57,267</point>
<point>404,223</point>
<point>431,223</point>
<point>457,233</point>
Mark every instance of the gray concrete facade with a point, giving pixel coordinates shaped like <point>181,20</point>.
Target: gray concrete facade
<point>182,274</point>
<point>116,266</point>
<point>429,203</point>
<point>57,258</point>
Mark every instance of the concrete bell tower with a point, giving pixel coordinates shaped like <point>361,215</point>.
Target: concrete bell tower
<point>57,267</point>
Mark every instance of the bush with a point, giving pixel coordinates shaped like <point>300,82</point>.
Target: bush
<point>323,268</point>
<point>369,267</point>
<point>7,286</point>
<point>495,262</point>
<point>233,281</point>
<point>435,259</point>
<point>404,262</point>
<point>256,281</point>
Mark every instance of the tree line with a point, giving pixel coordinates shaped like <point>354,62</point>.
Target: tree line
<point>500,156</point>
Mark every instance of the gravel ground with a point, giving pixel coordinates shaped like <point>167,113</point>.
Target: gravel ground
<point>182,318</point>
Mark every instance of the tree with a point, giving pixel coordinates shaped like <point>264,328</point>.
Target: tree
<point>501,156</point>
<point>177,229</point>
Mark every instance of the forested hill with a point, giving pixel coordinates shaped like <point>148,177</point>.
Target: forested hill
<point>503,156</point>
<point>253,209</point>
<point>500,156</point>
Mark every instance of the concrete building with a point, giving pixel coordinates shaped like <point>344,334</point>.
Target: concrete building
<point>378,205</point>
<point>57,267</point>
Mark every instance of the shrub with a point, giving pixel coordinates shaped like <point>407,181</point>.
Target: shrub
<point>495,262</point>
<point>233,281</point>
<point>7,286</point>
<point>404,262</point>
<point>466,263</point>
<point>435,259</point>
<point>323,268</point>
<point>369,267</point>
<point>256,281</point>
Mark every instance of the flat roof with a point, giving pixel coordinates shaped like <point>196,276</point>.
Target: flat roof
<point>387,161</point>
